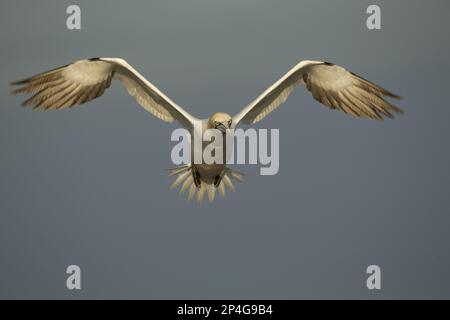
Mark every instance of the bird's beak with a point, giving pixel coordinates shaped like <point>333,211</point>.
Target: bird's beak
<point>221,127</point>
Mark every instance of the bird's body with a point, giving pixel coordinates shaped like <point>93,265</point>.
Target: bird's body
<point>209,172</point>
<point>85,80</point>
<point>201,172</point>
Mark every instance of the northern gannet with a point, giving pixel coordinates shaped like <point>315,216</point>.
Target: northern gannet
<point>85,80</point>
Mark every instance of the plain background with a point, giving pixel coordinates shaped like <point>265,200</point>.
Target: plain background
<point>87,186</point>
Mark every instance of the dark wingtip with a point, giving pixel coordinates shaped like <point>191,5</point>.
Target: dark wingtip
<point>392,95</point>
<point>16,90</point>
<point>398,110</point>
<point>18,82</point>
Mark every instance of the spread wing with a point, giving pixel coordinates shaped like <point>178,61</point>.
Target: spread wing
<point>85,80</point>
<point>329,84</point>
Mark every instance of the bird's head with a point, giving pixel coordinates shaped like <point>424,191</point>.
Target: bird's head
<point>220,121</point>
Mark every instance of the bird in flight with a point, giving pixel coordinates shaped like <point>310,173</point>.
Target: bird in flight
<point>85,80</point>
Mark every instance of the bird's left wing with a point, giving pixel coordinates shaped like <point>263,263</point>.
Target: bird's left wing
<point>85,80</point>
<point>329,84</point>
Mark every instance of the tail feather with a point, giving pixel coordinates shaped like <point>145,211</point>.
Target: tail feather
<point>227,181</point>
<point>181,177</point>
<point>186,181</point>
<point>211,192</point>
<point>191,194</point>
<point>186,184</point>
<point>177,170</point>
<point>201,193</point>
<point>237,175</point>
<point>222,189</point>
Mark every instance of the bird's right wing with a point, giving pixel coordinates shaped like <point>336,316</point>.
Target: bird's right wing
<point>85,80</point>
<point>329,84</point>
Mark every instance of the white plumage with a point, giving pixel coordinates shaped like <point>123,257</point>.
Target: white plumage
<point>85,80</point>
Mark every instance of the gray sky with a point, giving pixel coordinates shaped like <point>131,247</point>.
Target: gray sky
<point>87,186</point>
